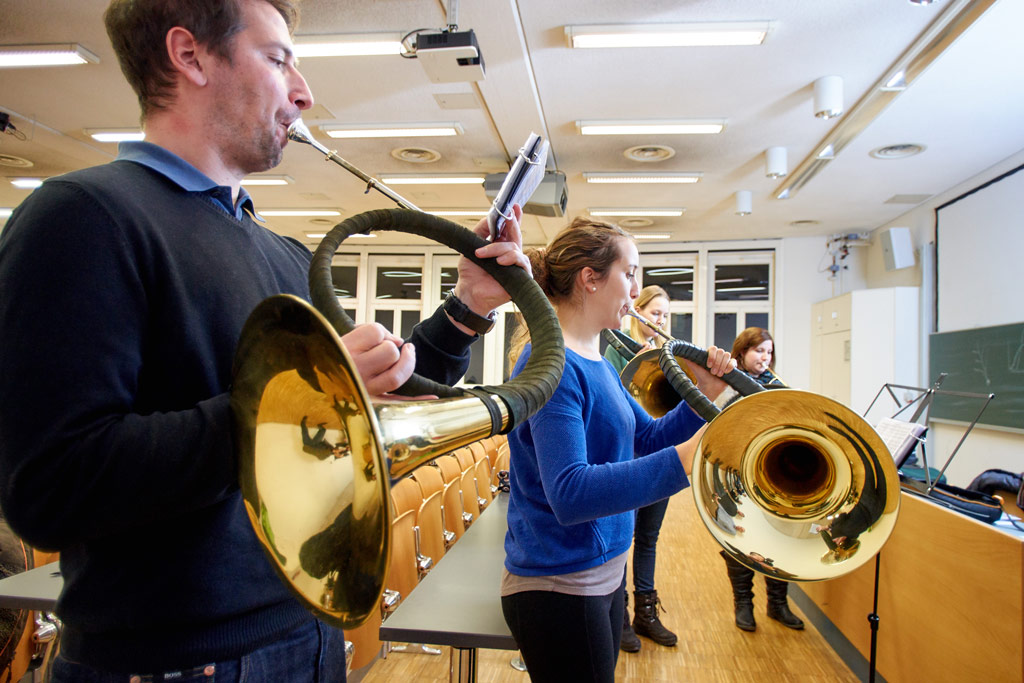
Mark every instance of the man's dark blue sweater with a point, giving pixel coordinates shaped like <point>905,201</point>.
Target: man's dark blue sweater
<point>122,300</point>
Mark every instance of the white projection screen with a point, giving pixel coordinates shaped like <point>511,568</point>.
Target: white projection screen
<point>980,255</point>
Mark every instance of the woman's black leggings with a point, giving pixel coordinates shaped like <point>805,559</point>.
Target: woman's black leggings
<point>566,637</point>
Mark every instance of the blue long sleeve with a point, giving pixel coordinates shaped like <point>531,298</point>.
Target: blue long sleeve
<point>575,481</point>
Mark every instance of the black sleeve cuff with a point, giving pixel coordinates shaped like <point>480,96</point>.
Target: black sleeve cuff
<point>442,350</point>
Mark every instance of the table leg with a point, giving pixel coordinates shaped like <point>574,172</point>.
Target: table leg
<point>463,665</point>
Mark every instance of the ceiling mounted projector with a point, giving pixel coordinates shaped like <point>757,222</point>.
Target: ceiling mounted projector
<point>450,56</point>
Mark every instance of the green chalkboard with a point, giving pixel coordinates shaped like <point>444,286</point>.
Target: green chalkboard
<point>986,360</point>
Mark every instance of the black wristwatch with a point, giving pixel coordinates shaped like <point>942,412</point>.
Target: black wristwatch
<point>460,313</point>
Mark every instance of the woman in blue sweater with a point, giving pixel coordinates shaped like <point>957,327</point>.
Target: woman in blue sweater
<point>574,480</point>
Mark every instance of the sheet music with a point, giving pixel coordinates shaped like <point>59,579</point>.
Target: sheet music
<point>899,436</point>
<point>520,183</point>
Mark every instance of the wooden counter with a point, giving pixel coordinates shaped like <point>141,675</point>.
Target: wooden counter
<point>949,599</point>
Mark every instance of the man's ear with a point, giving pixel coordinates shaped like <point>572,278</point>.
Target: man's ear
<point>185,55</point>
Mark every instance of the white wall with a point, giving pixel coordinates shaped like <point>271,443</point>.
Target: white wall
<point>985,448</point>
<point>798,285</point>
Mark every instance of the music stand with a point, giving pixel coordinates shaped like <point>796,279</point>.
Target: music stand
<point>923,399</point>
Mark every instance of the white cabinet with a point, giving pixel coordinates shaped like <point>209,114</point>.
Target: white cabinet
<point>861,340</point>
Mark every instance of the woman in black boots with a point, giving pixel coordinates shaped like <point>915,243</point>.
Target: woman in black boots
<point>653,304</point>
<point>754,351</point>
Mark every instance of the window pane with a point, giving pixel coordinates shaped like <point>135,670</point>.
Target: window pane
<point>725,330</point>
<point>345,279</point>
<point>746,282</point>
<point>475,373</point>
<point>351,312</point>
<point>676,280</point>
<point>400,282</point>
<point>409,320</point>
<point>386,318</point>
<point>757,320</point>
<point>682,326</point>
<point>448,278</point>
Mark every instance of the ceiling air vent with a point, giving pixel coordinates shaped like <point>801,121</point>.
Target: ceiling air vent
<point>897,151</point>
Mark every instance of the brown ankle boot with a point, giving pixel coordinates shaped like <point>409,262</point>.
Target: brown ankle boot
<point>646,621</point>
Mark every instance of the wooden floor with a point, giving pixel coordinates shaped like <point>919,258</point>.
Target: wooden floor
<point>694,590</point>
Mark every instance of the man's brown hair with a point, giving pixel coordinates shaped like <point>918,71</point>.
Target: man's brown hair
<point>138,31</point>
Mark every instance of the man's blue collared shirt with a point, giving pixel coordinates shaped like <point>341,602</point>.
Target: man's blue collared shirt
<point>187,176</point>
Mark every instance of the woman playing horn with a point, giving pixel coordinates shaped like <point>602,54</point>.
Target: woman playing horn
<point>652,304</point>
<point>574,479</point>
<point>754,352</point>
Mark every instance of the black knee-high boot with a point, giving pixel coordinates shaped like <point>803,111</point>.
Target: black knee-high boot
<point>778,605</point>
<point>742,580</point>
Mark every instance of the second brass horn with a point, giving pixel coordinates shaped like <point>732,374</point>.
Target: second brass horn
<point>791,484</point>
<point>317,455</point>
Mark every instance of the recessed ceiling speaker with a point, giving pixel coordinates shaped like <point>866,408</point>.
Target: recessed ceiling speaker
<point>897,248</point>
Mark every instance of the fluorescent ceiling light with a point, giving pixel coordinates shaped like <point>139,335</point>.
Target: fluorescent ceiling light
<point>457,212</point>
<point>642,178</point>
<point>115,134</point>
<point>650,235</point>
<point>681,127</point>
<point>668,271</point>
<point>27,183</point>
<point>64,54</point>
<point>740,289</point>
<point>636,212</point>
<point>349,45</point>
<point>5,212</point>
<point>432,180</point>
<point>255,180</point>
<point>300,212</point>
<point>316,235</point>
<point>397,130</point>
<point>668,35</point>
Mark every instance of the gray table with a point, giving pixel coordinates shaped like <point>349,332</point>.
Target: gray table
<point>36,589</point>
<point>459,602</point>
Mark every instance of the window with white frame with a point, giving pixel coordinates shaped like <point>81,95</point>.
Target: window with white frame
<point>674,272</point>
<point>347,283</point>
<point>740,293</point>
<point>395,296</point>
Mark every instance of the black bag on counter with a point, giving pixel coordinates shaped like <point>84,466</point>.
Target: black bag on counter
<point>974,504</point>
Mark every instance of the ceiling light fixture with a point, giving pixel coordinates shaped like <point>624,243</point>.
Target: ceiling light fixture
<point>257,180</point>
<point>432,180</point>
<point>828,97</point>
<point>642,178</point>
<point>27,183</point>
<point>397,130</point>
<point>651,235</point>
<point>895,83</point>
<point>664,212</point>
<point>300,212</point>
<point>64,54</point>
<point>115,134</point>
<point>676,127</point>
<point>943,32</point>
<point>349,45</point>
<point>668,35</point>
<point>5,212</point>
<point>476,213</point>
<point>744,202</point>
<point>776,163</point>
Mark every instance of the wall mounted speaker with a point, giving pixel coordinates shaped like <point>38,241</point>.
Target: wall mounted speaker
<point>897,249</point>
